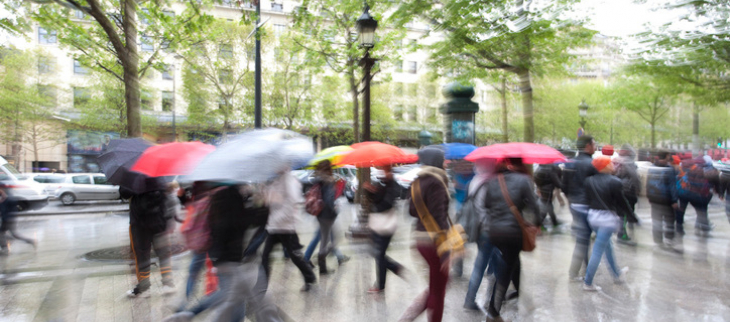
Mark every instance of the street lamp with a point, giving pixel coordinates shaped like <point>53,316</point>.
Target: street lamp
<point>583,112</point>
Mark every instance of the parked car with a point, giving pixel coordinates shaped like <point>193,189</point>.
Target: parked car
<point>86,186</point>
<point>28,192</point>
<point>50,182</point>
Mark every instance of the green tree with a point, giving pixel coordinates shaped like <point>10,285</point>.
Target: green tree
<point>108,36</point>
<point>517,37</point>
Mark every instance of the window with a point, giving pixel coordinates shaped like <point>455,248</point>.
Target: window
<point>78,14</point>
<point>248,4</point>
<point>225,76</point>
<point>279,29</point>
<point>46,65</point>
<point>399,66</point>
<point>146,43</point>
<point>432,115</point>
<point>398,112</point>
<point>100,180</point>
<point>168,99</point>
<point>81,96</point>
<point>79,69</point>
<point>277,7</point>
<point>412,67</point>
<point>81,179</point>
<point>412,42</point>
<point>46,36</point>
<point>48,93</point>
<point>146,98</point>
<point>399,88</point>
<point>225,51</point>
<point>413,90</point>
<point>413,113</point>
<point>168,72</point>
<point>227,3</point>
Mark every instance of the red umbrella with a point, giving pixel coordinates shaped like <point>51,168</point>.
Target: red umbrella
<point>529,152</point>
<point>373,154</point>
<point>172,159</point>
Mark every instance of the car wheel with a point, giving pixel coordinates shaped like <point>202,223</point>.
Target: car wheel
<point>67,198</point>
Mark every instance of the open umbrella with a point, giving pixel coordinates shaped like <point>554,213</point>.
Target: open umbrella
<point>373,154</point>
<point>172,159</point>
<point>457,151</point>
<point>119,159</point>
<point>529,152</point>
<point>255,156</point>
<point>333,154</point>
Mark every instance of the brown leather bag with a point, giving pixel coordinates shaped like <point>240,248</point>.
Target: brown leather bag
<point>529,232</point>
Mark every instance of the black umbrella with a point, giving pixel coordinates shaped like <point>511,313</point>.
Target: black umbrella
<point>119,158</point>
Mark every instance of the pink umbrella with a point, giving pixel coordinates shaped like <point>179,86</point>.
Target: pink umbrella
<point>529,152</point>
<point>172,159</point>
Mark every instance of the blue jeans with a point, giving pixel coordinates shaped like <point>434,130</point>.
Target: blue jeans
<point>196,265</point>
<point>313,244</point>
<point>486,257</point>
<point>582,231</point>
<point>602,245</point>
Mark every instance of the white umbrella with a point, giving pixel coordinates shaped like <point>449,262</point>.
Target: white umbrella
<point>255,156</point>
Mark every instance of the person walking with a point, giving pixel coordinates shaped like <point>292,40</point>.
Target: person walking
<point>283,195</point>
<point>8,207</point>
<point>510,193</point>
<point>661,190</point>
<point>696,182</point>
<point>431,208</point>
<point>148,225</point>
<point>606,201</point>
<point>547,179</point>
<point>574,176</point>
<point>383,222</point>
<point>625,170</point>
<point>328,215</point>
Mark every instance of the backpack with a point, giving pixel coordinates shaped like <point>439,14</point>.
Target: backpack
<point>151,212</point>
<point>542,176</point>
<point>313,203</point>
<point>468,216</point>
<point>693,183</point>
<point>657,186</point>
<point>195,229</point>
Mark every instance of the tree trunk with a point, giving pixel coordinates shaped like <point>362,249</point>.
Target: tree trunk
<point>355,107</point>
<point>527,110</point>
<point>653,136</point>
<point>695,130</point>
<point>130,62</point>
<point>503,94</point>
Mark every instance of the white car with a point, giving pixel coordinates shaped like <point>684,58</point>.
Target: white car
<point>29,193</point>
<point>50,182</point>
<point>86,186</point>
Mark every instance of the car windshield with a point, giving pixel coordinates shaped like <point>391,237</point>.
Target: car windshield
<point>9,168</point>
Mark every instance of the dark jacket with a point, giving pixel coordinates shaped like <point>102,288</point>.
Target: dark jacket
<point>605,192</point>
<point>328,198</point>
<point>228,223</point>
<point>574,177</point>
<point>626,172</point>
<point>547,178</point>
<point>500,221</point>
<point>661,185</point>
<point>384,198</point>
<point>434,194</point>
<point>148,211</point>
<point>724,184</point>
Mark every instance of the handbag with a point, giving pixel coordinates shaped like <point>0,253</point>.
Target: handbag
<point>529,232</point>
<point>468,216</point>
<point>449,240</point>
<point>601,218</point>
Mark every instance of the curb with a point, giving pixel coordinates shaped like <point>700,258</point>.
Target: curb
<point>31,214</point>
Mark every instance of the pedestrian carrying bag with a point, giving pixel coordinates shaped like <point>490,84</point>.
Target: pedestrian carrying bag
<point>313,203</point>
<point>195,230</point>
<point>449,240</point>
<point>468,216</point>
<point>529,232</point>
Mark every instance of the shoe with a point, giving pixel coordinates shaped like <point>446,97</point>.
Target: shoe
<point>185,316</point>
<point>307,287</point>
<point>621,278</point>
<point>494,319</point>
<point>322,262</point>
<point>135,293</point>
<point>679,230</point>
<point>471,306</point>
<point>311,265</point>
<point>343,260</point>
<point>576,278</point>
<point>168,290</point>
<point>591,288</point>
<point>512,295</point>
<point>375,290</point>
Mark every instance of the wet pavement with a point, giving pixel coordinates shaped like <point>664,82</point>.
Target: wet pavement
<point>54,283</point>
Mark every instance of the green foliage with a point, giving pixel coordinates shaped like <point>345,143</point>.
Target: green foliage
<point>14,21</point>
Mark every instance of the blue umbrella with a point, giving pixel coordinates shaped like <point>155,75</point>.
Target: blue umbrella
<point>457,151</point>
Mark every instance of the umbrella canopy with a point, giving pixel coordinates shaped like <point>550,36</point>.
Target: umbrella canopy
<point>373,154</point>
<point>333,154</point>
<point>457,151</point>
<point>172,159</point>
<point>529,152</point>
<point>255,156</point>
<point>119,159</point>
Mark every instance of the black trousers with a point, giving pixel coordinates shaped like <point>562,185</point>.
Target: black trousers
<point>510,246</point>
<point>143,240</point>
<point>383,263</point>
<point>290,242</point>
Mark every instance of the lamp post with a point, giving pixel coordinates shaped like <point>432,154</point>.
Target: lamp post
<point>583,112</point>
<point>366,26</point>
<point>257,74</point>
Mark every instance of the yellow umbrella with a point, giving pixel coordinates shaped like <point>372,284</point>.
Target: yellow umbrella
<point>333,154</point>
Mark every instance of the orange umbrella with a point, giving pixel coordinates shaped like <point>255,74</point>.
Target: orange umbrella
<point>374,154</point>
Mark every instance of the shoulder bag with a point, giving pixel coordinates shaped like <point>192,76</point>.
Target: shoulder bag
<point>529,232</point>
<point>447,240</point>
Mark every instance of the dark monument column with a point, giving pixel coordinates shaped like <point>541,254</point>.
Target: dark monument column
<point>459,113</point>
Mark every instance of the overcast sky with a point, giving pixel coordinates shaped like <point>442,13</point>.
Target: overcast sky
<point>621,17</point>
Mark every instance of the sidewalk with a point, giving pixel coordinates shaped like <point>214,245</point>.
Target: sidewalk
<point>54,284</point>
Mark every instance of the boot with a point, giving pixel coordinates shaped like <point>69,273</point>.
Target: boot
<point>322,262</point>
